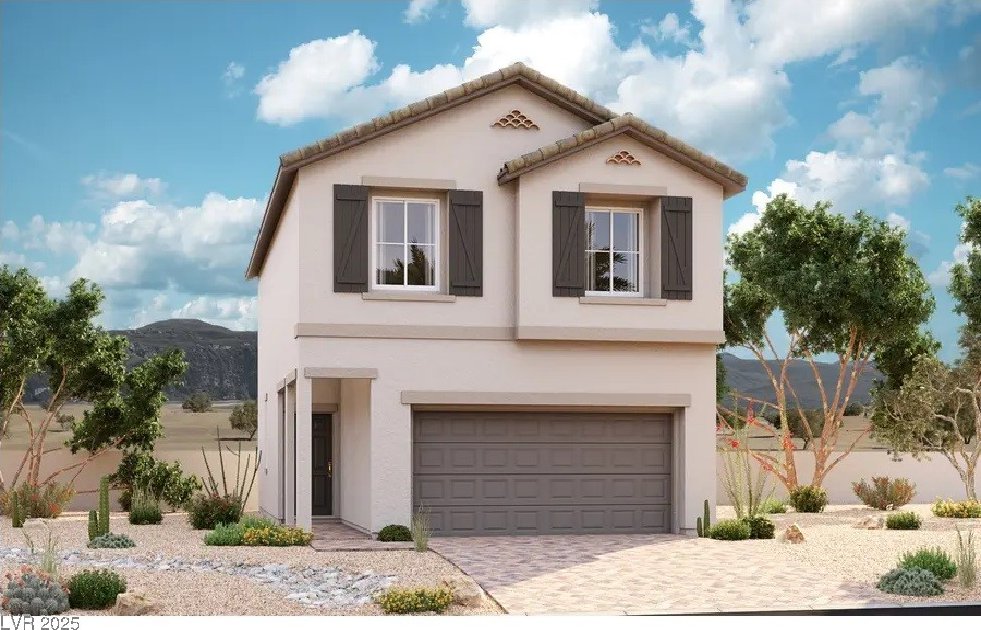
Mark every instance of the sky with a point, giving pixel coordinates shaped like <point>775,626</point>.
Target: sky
<point>138,141</point>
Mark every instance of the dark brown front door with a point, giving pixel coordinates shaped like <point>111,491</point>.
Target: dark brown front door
<point>322,466</point>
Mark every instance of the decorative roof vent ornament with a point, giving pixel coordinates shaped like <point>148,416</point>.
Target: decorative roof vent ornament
<point>623,157</point>
<point>514,119</point>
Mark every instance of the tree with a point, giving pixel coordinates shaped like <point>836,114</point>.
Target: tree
<point>842,286</point>
<point>721,384</point>
<point>245,417</point>
<point>198,402</point>
<point>59,338</point>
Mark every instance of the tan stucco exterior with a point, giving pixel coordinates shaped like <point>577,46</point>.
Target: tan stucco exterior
<point>369,358</point>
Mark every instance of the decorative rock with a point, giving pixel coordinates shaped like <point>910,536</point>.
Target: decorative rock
<point>134,604</point>
<point>793,535</point>
<point>465,592</point>
<point>36,532</point>
<point>870,523</point>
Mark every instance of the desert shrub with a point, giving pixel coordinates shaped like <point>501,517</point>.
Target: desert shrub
<point>145,510</point>
<point>902,581</point>
<point>760,528</point>
<point>111,541</point>
<point>276,536</point>
<point>251,522</point>
<point>206,512</point>
<point>967,560</point>
<point>245,417</point>
<point>225,535</point>
<point>66,422</point>
<point>126,499</point>
<point>810,499</point>
<point>903,520</point>
<point>731,529</point>
<point>33,592</point>
<point>198,402</point>
<point>773,506</point>
<point>163,481</point>
<point>884,493</point>
<point>947,508</point>
<point>935,560</point>
<point>402,601</point>
<point>95,590</point>
<point>394,533</point>
<point>47,501</point>
<point>421,529</point>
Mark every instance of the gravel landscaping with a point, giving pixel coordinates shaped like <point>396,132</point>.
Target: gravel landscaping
<point>173,567</point>
<point>833,545</point>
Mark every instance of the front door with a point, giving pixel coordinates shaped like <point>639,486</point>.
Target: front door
<point>322,465</point>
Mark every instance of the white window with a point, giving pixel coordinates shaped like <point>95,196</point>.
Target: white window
<point>613,256</point>
<point>406,243</point>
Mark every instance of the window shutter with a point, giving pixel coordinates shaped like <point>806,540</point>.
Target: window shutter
<point>466,242</point>
<point>568,244</point>
<point>350,238</point>
<point>676,246</point>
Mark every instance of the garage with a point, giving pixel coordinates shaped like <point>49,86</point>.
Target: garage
<point>481,473</point>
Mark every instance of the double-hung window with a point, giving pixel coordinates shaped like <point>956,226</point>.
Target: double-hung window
<point>613,251</point>
<point>406,244</point>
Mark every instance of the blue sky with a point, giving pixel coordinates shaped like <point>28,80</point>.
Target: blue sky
<point>138,140</point>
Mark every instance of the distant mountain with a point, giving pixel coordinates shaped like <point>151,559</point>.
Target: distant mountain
<point>748,378</point>
<point>221,362</point>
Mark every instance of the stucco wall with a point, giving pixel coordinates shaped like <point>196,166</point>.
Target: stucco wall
<point>354,455</point>
<point>506,366</point>
<point>279,304</point>
<point>933,478</point>
<point>537,307</point>
<point>459,144</point>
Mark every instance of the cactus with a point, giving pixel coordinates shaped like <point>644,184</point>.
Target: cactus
<point>103,506</point>
<point>707,518</point>
<point>32,592</point>
<point>93,524</point>
<point>698,527</point>
<point>17,515</point>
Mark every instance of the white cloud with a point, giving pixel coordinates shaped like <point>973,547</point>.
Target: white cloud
<point>898,221</point>
<point>940,277</point>
<point>519,13</point>
<point>966,171</point>
<point>760,199</point>
<point>237,313</point>
<point>122,185</point>
<point>419,10</point>
<point>9,230</point>
<point>316,78</point>
<point>669,29</point>
<point>232,78</point>
<point>846,55</point>
<point>59,237</point>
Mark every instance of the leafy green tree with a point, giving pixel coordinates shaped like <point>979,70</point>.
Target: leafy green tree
<point>721,385</point>
<point>59,337</point>
<point>139,470</point>
<point>842,286</point>
<point>198,402</point>
<point>245,417</point>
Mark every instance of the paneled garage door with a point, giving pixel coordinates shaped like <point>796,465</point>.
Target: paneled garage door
<point>485,473</point>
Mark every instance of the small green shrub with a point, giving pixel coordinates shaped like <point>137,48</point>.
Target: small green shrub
<point>967,560</point>
<point>421,529</point>
<point>903,520</point>
<point>935,560</point>
<point>395,533</point>
<point>884,493</point>
<point>111,541</point>
<point>809,499</point>
<point>730,529</point>
<point>95,590</point>
<point>902,581</point>
<point>253,522</point>
<point>31,501</point>
<point>145,510</point>
<point>225,535</point>
<point>403,601</point>
<point>33,592</point>
<point>276,536</point>
<point>946,508</point>
<point>206,512</point>
<point>773,506</point>
<point>760,528</point>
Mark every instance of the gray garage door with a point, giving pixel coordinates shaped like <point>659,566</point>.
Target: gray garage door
<point>485,473</point>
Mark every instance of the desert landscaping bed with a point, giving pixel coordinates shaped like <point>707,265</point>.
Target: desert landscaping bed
<point>173,567</point>
<point>836,544</point>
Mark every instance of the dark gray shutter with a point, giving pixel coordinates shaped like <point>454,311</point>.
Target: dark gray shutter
<point>676,246</point>
<point>466,242</point>
<point>350,238</point>
<point>568,244</point>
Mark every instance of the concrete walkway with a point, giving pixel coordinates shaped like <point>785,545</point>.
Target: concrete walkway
<point>636,574</point>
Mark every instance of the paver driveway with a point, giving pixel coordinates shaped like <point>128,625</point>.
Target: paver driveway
<point>641,573</point>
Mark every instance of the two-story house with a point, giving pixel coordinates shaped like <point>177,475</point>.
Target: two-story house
<point>500,304</point>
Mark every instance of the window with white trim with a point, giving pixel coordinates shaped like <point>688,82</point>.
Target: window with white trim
<point>613,251</point>
<point>406,244</point>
